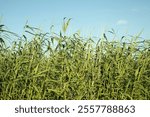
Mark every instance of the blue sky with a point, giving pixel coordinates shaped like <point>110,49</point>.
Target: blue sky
<point>91,17</point>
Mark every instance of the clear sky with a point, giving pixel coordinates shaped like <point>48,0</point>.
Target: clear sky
<point>89,16</point>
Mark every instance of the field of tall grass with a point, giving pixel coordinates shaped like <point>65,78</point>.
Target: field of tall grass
<point>50,66</point>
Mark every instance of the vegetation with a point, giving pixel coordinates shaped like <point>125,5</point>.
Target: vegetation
<point>59,67</point>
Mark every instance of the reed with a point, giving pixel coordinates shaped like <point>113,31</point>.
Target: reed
<point>59,67</point>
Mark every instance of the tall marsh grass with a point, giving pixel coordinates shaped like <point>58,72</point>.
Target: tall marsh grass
<point>60,67</point>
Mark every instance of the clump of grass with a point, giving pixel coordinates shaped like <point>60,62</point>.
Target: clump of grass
<point>67,67</point>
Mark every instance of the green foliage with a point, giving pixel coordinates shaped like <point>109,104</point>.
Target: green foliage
<point>67,67</point>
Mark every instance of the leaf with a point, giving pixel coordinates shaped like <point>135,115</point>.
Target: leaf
<point>104,35</point>
<point>112,31</point>
<point>122,37</point>
<point>137,72</point>
<point>65,25</point>
<point>1,26</point>
<point>52,40</point>
<point>1,40</point>
<point>36,69</point>
<point>51,29</point>
<point>25,37</point>
<point>60,34</point>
